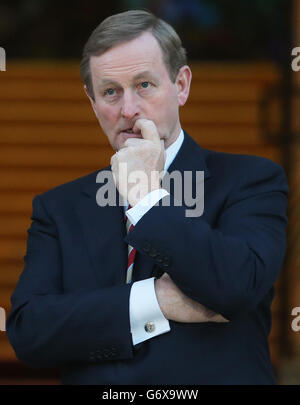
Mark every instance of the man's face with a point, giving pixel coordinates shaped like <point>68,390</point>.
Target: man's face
<point>130,81</point>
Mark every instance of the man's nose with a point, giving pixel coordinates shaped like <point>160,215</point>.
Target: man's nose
<point>130,105</point>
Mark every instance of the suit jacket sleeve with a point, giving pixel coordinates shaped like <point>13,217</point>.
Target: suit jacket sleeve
<point>47,326</point>
<point>231,266</point>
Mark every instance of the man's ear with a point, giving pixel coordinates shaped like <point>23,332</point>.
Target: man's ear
<point>183,82</point>
<point>91,100</point>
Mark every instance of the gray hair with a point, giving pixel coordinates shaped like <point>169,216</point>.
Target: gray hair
<point>126,26</point>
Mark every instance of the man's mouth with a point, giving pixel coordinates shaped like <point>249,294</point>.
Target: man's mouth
<point>130,131</point>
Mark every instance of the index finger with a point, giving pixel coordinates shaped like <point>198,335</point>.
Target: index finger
<point>148,130</point>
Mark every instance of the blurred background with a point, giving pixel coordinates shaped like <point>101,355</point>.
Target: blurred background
<point>244,99</point>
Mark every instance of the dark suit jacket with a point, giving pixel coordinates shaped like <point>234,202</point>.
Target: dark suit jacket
<point>70,308</point>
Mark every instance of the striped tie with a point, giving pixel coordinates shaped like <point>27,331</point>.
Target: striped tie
<point>131,251</point>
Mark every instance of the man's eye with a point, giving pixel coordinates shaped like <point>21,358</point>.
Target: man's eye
<point>109,92</point>
<point>145,85</point>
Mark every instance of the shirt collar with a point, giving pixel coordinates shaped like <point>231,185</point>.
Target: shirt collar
<point>173,149</point>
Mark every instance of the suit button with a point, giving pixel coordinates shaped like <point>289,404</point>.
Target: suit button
<point>166,262</point>
<point>157,272</point>
<point>99,355</point>
<point>113,351</point>
<point>146,247</point>
<point>159,259</point>
<point>150,327</point>
<point>153,253</point>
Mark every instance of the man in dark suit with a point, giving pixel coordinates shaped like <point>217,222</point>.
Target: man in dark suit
<point>176,298</point>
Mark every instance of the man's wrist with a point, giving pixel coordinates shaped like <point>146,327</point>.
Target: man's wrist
<point>142,193</point>
<point>135,213</point>
<point>146,317</point>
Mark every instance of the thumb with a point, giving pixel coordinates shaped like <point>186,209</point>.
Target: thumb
<point>148,129</point>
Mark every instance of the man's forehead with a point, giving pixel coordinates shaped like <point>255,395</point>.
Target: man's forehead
<point>140,75</point>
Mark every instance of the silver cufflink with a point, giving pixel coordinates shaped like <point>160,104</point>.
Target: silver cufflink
<point>150,327</point>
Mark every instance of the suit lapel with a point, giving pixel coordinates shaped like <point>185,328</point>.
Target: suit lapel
<point>189,160</point>
<point>103,230</point>
<point>190,157</point>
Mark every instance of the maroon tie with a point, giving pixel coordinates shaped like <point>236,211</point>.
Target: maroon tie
<point>131,251</point>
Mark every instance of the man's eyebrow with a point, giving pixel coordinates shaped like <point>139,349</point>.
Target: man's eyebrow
<point>105,82</point>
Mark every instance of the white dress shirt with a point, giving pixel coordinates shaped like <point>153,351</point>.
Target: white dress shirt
<point>146,317</point>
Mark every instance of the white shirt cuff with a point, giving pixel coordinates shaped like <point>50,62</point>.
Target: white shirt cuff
<point>135,213</point>
<point>146,317</point>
